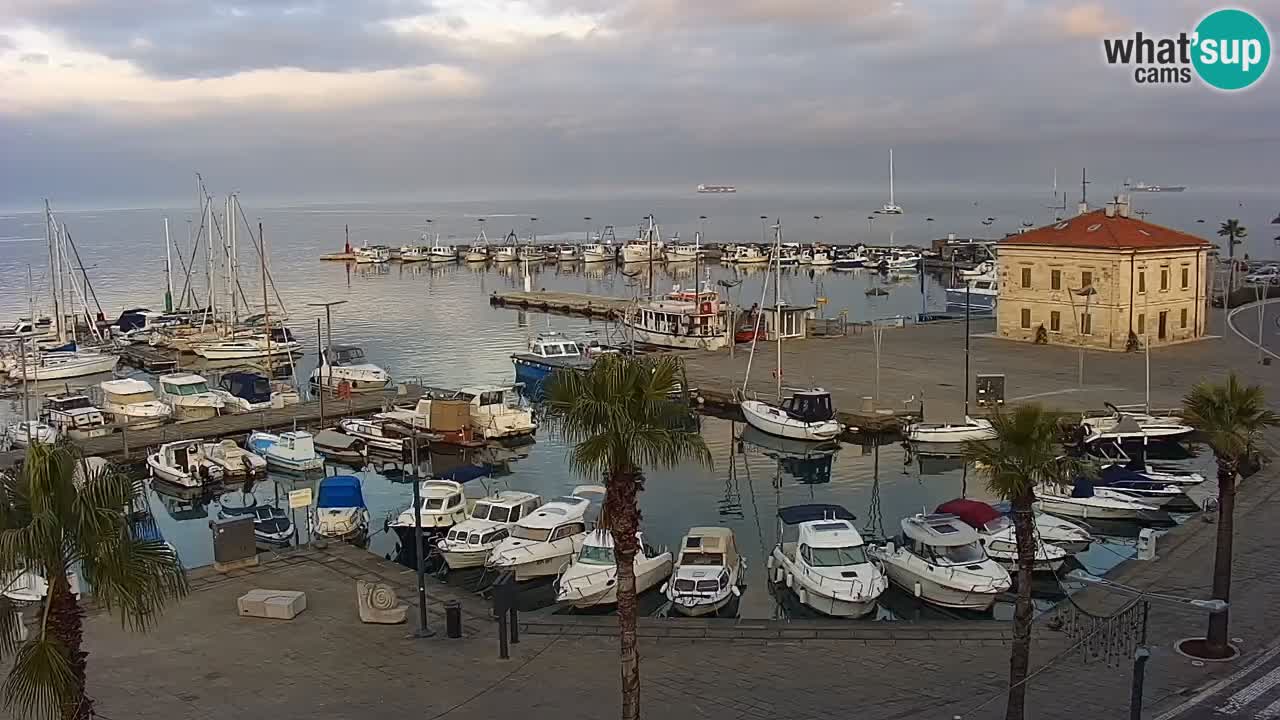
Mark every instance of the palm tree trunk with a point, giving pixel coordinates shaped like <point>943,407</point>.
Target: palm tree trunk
<point>1020,653</point>
<point>1216,639</point>
<point>65,620</point>
<point>623,512</point>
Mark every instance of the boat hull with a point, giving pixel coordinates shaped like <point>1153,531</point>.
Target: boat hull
<point>78,367</point>
<point>463,559</point>
<point>947,433</point>
<point>1074,507</point>
<point>679,342</point>
<point>771,420</point>
<point>938,594</point>
<point>649,574</point>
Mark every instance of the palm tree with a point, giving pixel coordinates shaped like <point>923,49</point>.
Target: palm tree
<point>620,418</point>
<point>1230,417</point>
<point>58,516</point>
<point>1023,455</point>
<point>1235,233</point>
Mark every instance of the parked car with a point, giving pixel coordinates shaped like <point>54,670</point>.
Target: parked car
<point>1269,275</point>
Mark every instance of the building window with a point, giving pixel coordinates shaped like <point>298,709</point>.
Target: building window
<point>1142,324</point>
<point>1186,278</point>
<point>1142,282</point>
<point>1086,279</point>
<point>1055,319</point>
<point>1164,279</point>
<point>1026,317</point>
<point>1055,280</point>
<point>1184,314</point>
<point>1086,324</point>
<point>1026,277</point>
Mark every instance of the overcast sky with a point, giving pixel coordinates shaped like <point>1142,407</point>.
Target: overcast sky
<point>119,101</point>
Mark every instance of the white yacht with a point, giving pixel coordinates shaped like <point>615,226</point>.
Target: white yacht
<point>597,253</point>
<point>939,559</point>
<point>748,255</point>
<point>998,536</point>
<point>76,417</point>
<point>30,432</point>
<point>469,543</point>
<point>243,392</point>
<point>826,565</point>
<point>442,505</point>
<point>243,348</point>
<point>971,429</point>
<point>591,580</point>
<point>684,319</point>
<point>292,451</point>
<point>347,364</point>
<point>133,403</point>
<point>541,544</point>
<point>63,365</point>
<point>805,415</point>
<point>189,396</point>
<point>184,463</point>
<point>235,461</point>
<point>1085,502</point>
<point>708,574</point>
<point>891,207</point>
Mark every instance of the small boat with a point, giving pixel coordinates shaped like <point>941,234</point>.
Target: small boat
<point>547,353</point>
<point>292,451</point>
<point>189,396</point>
<point>708,573</point>
<point>63,365</point>
<point>30,432</point>
<point>442,253</point>
<point>133,403</point>
<point>939,559</point>
<point>591,580</point>
<point>183,462</point>
<point>469,543</point>
<point>1084,502</point>
<point>506,253</point>
<point>852,259</point>
<point>271,526</point>
<point>541,544</point>
<point>569,253</point>
<point>970,429</point>
<point>598,253</point>
<point>805,415</point>
<point>978,294</point>
<point>1123,427</point>
<point>1170,476</point>
<point>346,364</point>
<point>76,417</point>
<point>822,256</point>
<point>902,261</point>
<point>683,252</point>
<point>442,505</point>
<point>826,566</point>
<point>340,447</point>
<point>748,255</point>
<point>788,255</point>
<point>340,512</point>
<point>414,253</point>
<point>379,434</point>
<point>1070,536</point>
<point>235,461</point>
<point>1114,480</point>
<point>243,392</point>
<point>372,254</point>
<point>259,346</point>
<point>997,533</point>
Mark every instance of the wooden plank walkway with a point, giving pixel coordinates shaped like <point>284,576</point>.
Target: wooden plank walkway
<point>302,415</point>
<point>565,303</point>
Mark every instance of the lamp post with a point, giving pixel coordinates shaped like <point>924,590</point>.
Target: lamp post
<point>423,631</point>
<point>764,229</point>
<point>1087,292</point>
<point>870,219</point>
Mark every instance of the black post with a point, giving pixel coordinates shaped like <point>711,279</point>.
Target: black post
<point>320,351</point>
<point>423,630</point>
<point>1140,657</point>
<point>504,652</point>
<point>967,304</point>
<point>515,625</point>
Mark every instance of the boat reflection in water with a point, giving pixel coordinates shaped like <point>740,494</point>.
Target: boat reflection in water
<point>185,503</point>
<point>808,463</point>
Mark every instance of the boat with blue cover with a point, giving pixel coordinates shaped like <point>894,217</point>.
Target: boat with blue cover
<point>340,512</point>
<point>548,352</point>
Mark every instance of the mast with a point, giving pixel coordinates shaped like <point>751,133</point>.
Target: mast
<point>211,310</point>
<point>777,299</point>
<point>266,309</point>
<point>968,284</point>
<point>891,176</point>
<point>168,268</point>
<point>53,273</point>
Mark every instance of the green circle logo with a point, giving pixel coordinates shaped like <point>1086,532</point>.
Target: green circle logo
<point>1232,49</point>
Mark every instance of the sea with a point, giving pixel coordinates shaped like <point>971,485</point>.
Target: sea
<point>435,325</point>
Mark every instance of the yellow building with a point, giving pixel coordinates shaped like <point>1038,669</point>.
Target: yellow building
<point>1105,280</point>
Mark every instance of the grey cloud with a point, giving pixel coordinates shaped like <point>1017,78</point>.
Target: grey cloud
<point>34,58</point>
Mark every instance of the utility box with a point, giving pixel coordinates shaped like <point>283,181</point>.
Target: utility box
<point>233,539</point>
<point>989,390</point>
<point>1147,544</point>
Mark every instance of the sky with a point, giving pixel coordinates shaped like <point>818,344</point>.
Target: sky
<point>118,102</point>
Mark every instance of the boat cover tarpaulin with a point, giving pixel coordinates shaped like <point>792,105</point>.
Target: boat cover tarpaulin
<point>796,514</point>
<point>340,491</point>
<point>973,512</point>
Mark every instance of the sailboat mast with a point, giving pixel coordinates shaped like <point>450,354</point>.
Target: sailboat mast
<point>211,311</point>
<point>968,285</point>
<point>777,300</point>
<point>53,273</point>
<point>266,309</point>
<point>168,269</point>
<point>891,176</point>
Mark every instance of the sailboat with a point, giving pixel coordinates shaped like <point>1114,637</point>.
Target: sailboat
<point>890,208</point>
<point>804,415</point>
<point>971,429</point>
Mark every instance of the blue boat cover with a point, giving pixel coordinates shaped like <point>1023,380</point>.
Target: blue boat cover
<point>69,347</point>
<point>1116,476</point>
<point>1083,488</point>
<point>465,473</point>
<point>796,514</point>
<point>247,386</point>
<point>340,491</point>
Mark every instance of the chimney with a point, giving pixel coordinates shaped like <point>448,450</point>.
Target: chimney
<point>1122,205</point>
<point>1082,208</point>
<point>1110,209</point>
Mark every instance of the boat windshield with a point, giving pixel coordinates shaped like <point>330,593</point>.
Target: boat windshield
<point>187,389</point>
<point>961,554</point>
<point>837,556</point>
<point>350,355</point>
<point>701,558</point>
<point>481,511</point>
<point>72,403</point>
<point>534,534</point>
<point>997,524</point>
<point>432,503</point>
<point>596,555</point>
<point>500,514</point>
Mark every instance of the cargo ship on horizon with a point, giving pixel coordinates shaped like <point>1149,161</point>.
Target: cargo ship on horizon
<point>1143,187</point>
<point>717,189</point>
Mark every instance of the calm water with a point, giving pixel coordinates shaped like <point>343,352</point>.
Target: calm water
<point>435,324</point>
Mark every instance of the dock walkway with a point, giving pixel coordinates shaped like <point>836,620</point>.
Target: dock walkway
<point>564,303</point>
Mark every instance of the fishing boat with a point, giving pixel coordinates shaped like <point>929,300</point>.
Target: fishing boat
<point>597,253</point>
<point>684,319</point>
<point>891,207</point>
<point>509,251</point>
<point>940,559</point>
<point>469,543</point>
<point>442,505</point>
<point>346,364</point>
<point>292,451</point>
<point>591,580</point>
<point>548,352</point>
<point>478,252</point>
<point>541,544</point>
<point>189,396</point>
<point>372,254</point>
<point>442,253</point>
<point>340,512</point>
<point>748,255</point>
<point>30,432</point>
<point>26,328</point>
<point>569,253</point>
<point>74,416</point>
<point>851,259</point>
<point>708,574</point>
<point>414,253</point>
<point>822,257</point>
<point>244,392</point>
<point>184,463</point>
<point>1083,501</point>
<point>133,403</point>
<point>997,534</point>
<point>648,246</point>
<point>340,447</point>
<point>826,564</point>
<point>236,462</point>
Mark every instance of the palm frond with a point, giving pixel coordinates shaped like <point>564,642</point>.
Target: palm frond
<point>41,680</point>
<point>1230,416</point>
<point>98,508</point>
<point>134,578</point>
<point>1023,455</point>
<point>10,627</point>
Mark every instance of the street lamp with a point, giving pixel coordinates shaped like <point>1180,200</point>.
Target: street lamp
<point>1087,292</point>
<point>764,229</point>
<point>423,631</point>
<point>870,219</point>
<point>533,229</point>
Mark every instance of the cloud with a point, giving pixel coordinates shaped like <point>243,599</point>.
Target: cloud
<point>1090,20</point>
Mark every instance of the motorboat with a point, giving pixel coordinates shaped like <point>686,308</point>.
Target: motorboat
<point>346,364</point>
<point>970,430</point>
<point>569,253</point>
<point>243,392</point>
<point>76,417</point>
<point>530,253</point>
<point>271,525</point>
<point>340,512</point>
<point>891,207</point>
<point>548,352</point>
<point>340,447</point>
<point>414,253</point>
<point>493,412</point>
<point>979,294</point>
<point>940,559</point>
<point>985,270</point>
<point>684,319</point>
<point>709,573</point>
<point>189,396</point>
<point>243,348</point>
<point>1121,427</point>
<point>822,256</point>
<point>30,432</point>
<point>1085,502</point>
<point>1111,453</point>
<point>379,434</point>
<point>64,365</point>
<point>236,462</point>
<point>442,505</point>
<point>1070,536</point>
<point>442,253</point>
<point>541,544</point>
<point>591,580</point>
<point>748,255</point>
<point>826,565</point>
<point>184,463</point>
<point>26,328</point>
<point>469,543</point>
<point>372,254</point>
<point>788,255</point>
<point>292,451</point>
<point>597,253</point>
<point>902,261</point>
<point>551,253</point>
<point>132,403</point>
<point>997,534</point>
<point>1115,480</point>
<point>804,415</point>
<point>852,259</point>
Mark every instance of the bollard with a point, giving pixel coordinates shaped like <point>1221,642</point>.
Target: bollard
<point>453,619</point>
<point>503,652</point>
<point>515,626</point>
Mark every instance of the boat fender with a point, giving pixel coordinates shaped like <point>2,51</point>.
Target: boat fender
<point>790,579</point>
<point>803,595</point>
<point>777,575</point>
<point>916,589</point>
<point>769,562</point>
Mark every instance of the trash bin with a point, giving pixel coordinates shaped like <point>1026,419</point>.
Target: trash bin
<point>453,618</point>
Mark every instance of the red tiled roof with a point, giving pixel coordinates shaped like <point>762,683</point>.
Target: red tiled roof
<point>1094,230</point>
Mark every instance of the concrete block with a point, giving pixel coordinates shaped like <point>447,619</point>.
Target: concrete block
<point>273,604</point>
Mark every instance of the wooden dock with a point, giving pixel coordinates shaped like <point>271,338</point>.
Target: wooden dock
<point>150,359</point>
<point>304,415</point>
<point>563,303</point>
